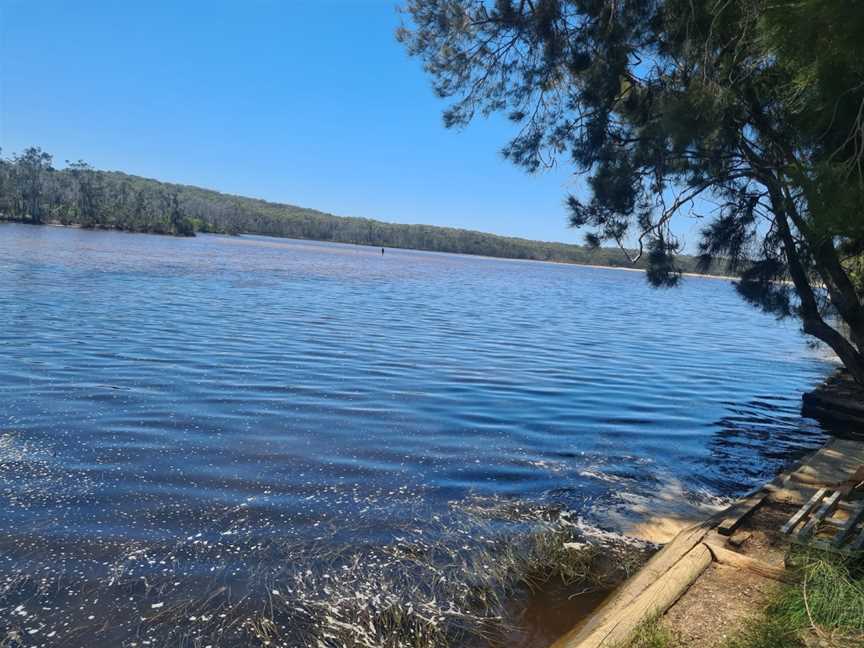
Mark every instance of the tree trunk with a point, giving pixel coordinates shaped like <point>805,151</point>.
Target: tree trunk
<point>812,320</point>
<point>851,358</point>
<point>840,288</point>
<point>813,323</point>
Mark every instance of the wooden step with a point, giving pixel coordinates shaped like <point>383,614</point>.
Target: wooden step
<point>827,506</point>
<point>812,503</point>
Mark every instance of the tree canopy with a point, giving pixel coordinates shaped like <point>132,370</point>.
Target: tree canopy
<point>745,113</point>
<point>32,190</point>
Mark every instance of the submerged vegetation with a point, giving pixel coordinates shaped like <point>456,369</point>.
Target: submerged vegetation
<point>32,190</point>
<point>457,584</point>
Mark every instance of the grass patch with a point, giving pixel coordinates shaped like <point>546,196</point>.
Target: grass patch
<point>830,596</point>
<point>423,594</point>
<point>766,632</point>
<point>651,634</point>
<point>826,605</point>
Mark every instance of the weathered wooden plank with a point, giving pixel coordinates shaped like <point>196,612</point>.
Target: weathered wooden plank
<point>827,506</point>
<point>849,526</point>
<point>653,571</point>
<point>739,538</point>
<point>858,544</point>
<point>739,512</point>
<point>834,522</point>
<point>731,558</point>
<point>619,605</point>
<point>820,544</point>
<point>653,601</point>
<point>803,511</point>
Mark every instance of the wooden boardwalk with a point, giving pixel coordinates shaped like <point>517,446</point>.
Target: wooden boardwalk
<point>825,485</point>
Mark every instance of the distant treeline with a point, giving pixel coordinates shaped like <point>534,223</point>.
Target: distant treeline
<point>32,190</point>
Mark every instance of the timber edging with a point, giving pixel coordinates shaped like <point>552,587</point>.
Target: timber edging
<point>672,570</point>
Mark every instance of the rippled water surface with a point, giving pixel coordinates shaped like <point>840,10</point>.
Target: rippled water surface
<point>174,409</point>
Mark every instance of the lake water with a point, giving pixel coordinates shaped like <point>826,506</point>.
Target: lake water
<point>178,413</point>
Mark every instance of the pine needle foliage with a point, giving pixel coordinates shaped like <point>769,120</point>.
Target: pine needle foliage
<point>748,115</point>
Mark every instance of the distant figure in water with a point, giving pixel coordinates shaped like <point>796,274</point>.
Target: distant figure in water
<point>382,251</point>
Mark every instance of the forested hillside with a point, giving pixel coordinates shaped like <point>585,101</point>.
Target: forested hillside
<point>32,190</point>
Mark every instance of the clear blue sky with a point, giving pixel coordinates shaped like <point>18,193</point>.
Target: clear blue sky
<point>310,102</point>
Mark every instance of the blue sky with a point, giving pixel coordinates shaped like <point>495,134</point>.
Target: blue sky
<point>299,101</point>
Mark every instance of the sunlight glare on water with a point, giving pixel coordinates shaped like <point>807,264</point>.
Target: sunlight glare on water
<point>191,411</point>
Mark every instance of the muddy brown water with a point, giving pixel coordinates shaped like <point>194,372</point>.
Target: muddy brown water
<point>551,613</point>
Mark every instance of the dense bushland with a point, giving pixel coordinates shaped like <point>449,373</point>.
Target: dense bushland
<point>32,190</point>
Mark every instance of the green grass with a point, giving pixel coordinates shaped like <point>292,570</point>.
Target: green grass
<point>825,608</point>
<point>766,632</point>
<point>651,634</point>
<point>827,604</point>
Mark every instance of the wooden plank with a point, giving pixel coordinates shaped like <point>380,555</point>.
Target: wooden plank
<point>653,601</point>
<point>739,512</point>
<point>663,561</point>
<point>731,558</point>
<point>858,545</point>
<point>849,526</point>
<point>827,506</point>
<point>820,544</point>
<point>803,511</point>
<point>653,571</point>
<point>739,538</point>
